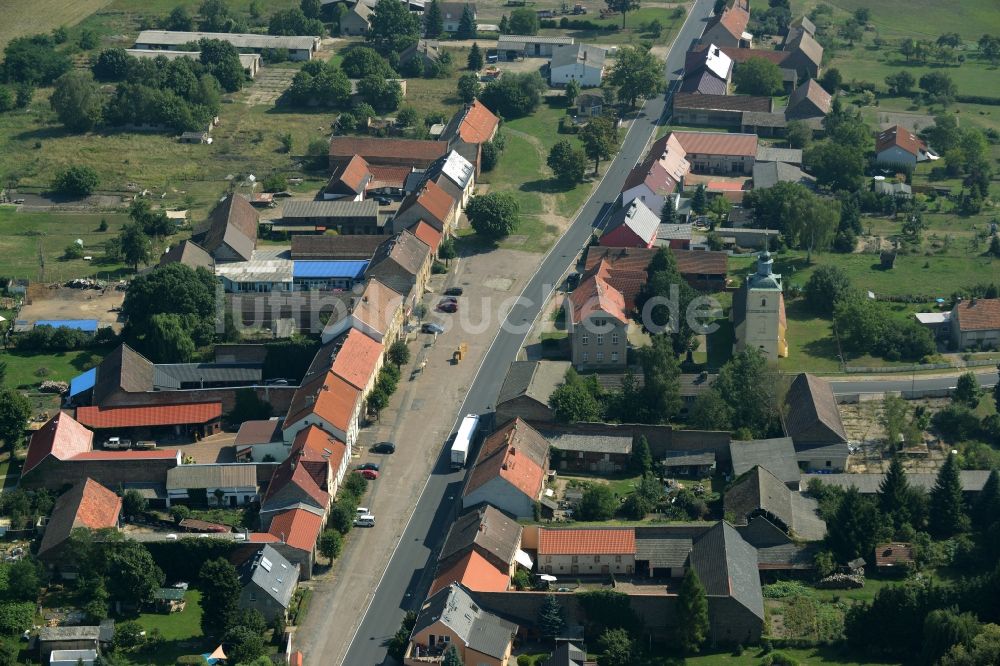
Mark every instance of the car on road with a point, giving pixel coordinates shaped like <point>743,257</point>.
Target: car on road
<point>384,447</point>
<point>454,291</point>
<point>369,474</point>
<point>366,520</point>
<point>447,306</point>
<point>368,466</point>
<point>432,328</point>
<point>572,280</point>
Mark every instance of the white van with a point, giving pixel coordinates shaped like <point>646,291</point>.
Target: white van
<point>363,511</point>
<point>366,520</point>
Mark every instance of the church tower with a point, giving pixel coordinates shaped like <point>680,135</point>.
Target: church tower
<point>759,311</point>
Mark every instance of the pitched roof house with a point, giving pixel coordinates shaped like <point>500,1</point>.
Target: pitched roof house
<point>759,493</point>
<point>809,100</point>
<point>898,145</point>
<point>431,204</point>
<point>481,551</point>
<point>357,20</point>
<point>378,313</point>
<point>61,438</point>
<point>376,152</point>
<point>350,179</point>
<point>632,225</point>
<point>707,71</point>
<point>190,254</point>
<point>582,63</point>
<point>429,235</point>
<point>268,581</point>
<point>425,51</point>
<point>296,532</point>
<point>88,505</point>
<point>403,263</point>
<point>329,402</point>
<point>452,617</point>
<point>975,323</point>
<point>451,13</point>
<point>526,390</point>
<point>657,176</point>
<point>805,55</point>
<point>232,230</point>
<point>334,248</point>
<point>308,478</point>
<point>813,417</point>
<point>474,123</point>
<point>729,28</point>
<point>509,472</point>
<point>776,454</point>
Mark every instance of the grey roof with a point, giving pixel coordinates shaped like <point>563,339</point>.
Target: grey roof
<point>637,217</point>
<point>505,41</point>
<point>972,480</point>
<point>534,379</point>
<point>454,607</point>
<point>683,458</point>
<point>809,47</point>
<point>300,208</point>
<point>486,529</point>
<point>272,573</point>
<point>662,551</point>
<point>895,189</point>
<point>810,91</point>
<point>307,246</point>
<point>835,450</point>
<point>404,250</point>
<point>776,455</point>
<point>188,253</point>
<point>453,166</point>
<point>804,23</point>
<point>727,567</point>
<point>767,153</point>
<point>769,174</point>
<point>758,492</point>
<point>239,40</point>
<point>592,443</point>
<point>173,375</point>
<point>763,119</point>
<point>577,53</point>
<point>566,654</point>
<point>235,475</point>
<point>813,414</point>
<point>64,633</point>
<point>704,82</point>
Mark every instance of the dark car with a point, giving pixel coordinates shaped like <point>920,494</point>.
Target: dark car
<point>368,466</point>
<point>448,306</point>
<point>572,280</point>
<point>432,328</point>
<point>454,291</point>
<point>383,201</point>
<point>384,447</point>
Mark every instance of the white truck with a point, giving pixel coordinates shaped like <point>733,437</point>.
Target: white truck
<point>463,440</point>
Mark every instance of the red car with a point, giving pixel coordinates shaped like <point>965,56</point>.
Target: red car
<point>369,474</point>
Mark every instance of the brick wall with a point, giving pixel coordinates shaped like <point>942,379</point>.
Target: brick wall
<point>279,397</point>
<point>56,474</point>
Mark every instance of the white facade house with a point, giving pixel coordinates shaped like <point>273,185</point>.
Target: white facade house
<point>577,62</point>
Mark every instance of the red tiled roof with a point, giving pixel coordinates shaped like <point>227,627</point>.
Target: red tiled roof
<point>352,177</point>
<point>357,359</point>
<point>978,314</point>
<point>433,199</point>
<point>155,454</point>
<point>307,465</point>
<point>595,294</point>
<point>718,143</point>
<point>474,572</point>
<point>88,504</point>
<point>428,234</point>
<point>258,432</point>
<point>151,415</point>
<point>701,262</point>
<point>62,437</point>
<point>262,537</point>
<point>891,554</point>
<point>329,397</point>
<point>296,659</point>
<point>899,136</point>
<point>516,453</point>
<point>298,528</point>
<point>611,541</point>
<point>734,19</point>
<point>621,258</point>
<point>478,124</point>
<point>388,176</point>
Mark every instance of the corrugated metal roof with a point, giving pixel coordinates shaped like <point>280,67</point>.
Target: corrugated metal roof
<point>238,475</point>
<point>352,269</point>
<point>366,208</point>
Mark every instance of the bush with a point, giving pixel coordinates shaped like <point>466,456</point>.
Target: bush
<point>76,180</point>
<point>778,659</point>
<point>73,251</point>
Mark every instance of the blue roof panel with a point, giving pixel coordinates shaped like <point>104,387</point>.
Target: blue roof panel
<point>329,269</point>
<point>83,382</point>
<point>88,325</point>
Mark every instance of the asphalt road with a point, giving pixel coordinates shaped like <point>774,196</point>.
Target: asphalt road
<point>408,576</point>
<point>897,383</point>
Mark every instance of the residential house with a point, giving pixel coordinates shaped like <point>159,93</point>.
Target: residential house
<point>329,402</point>
<point>455,175</point>
<point>190,254</point>
<point>758,311</point>
<point>759,494</point>
<point>898,146</point>
<point>509,472</point>
<point>702,269</point>
<point>622,268</point>
<point>451,13</point>
<point>297,532</point>
<point>61,452</point>
<point>420,55</point>
<point>598,453</point>
<point>632,225</point>
<point>657,176</point>
<point>809,100</point>
<point>268,582</point>
<point>87,505</point>
<point>975,324</point>
<point>716,110</point>
<point>589,103</point>
<point>431,204</point>
<point>526,390</point>
<point>380,152</point>
<point>729,28</point>
<point>356,20</point>
<point>452,617</point>
<point>232,230</point>
<point>719,153</point>
<point>355,358</point>
<point>512,47</point>
<point>350,179</point>
<point>812,420</point>
<point>482,551</point>
<point>258,439</point>
<point>769,174</point>
<point>334,248</point>
<point>582,63</point>
<point>429,235</point>
<point>598,324</point>
<point>805,55</point>
<point>378,313</point>
<point>707,71</point>
<point>298,47</point>
<point>403,263</point>
<point>341,216</point>
<point>582,552</point>
<point>776,454</point>
<point>230,485</point>
<point>799,25</point>
<point>472,124</point>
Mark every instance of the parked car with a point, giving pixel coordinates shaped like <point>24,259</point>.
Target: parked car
<point>363,511</point>
<point>368,466</point>
<point>454,291</point>
<point>276,382</point>
<point>383,201</point>
<point>572,280</point>
<point>366,520</point>
<point>447,306</point>
<point>369,474</point>
<point>432,328</point>
<point>384,447</point>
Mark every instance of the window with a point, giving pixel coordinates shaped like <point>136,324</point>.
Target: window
<point>600,356</point>
<point>597,559</point>
<point>574,559</point>
<point>446,639</point>
<point>763,302</point>
<point>829,464</point>
<point>600,339</point>
<point>585,340</point>
<point>618,558</point>
<point>614,357</point>
<point>586,357</point>
<point>614,338</point>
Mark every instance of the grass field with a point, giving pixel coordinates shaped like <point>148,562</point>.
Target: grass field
<point>29,18</point>
<point>181,632</point>
<point>23,368</point>
<point>611,31</point>
<point>920,18</point>
<point>752,657</point>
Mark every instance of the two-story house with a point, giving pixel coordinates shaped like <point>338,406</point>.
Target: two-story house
<point>598,325</point>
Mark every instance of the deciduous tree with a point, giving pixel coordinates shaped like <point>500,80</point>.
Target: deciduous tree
<point>637,73</point>
<point>493,215</point>
<point>623,6</point>
<point>78,180</point>
<point>567,163</point>
<point>14,412</point>
<point>757,76</point>
<point>468,87</point>
<point>524,21</point>
<point>220,595</point>
<point>600,140</point>
<point>135,576</point>
<point>393,27</point>
<point>598,503</point>
<point>330,544</point>
<point>825,287</point>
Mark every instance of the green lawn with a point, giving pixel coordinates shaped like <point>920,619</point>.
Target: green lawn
<point>921,18</point>
<point>611,31</point>
<point>23,367</point>
<point>753,657</point>
<point>181,632</point>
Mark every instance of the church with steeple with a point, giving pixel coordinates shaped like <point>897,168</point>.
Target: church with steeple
<point>758,312</point>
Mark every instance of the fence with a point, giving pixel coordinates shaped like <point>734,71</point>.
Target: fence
<point>918,367</point>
